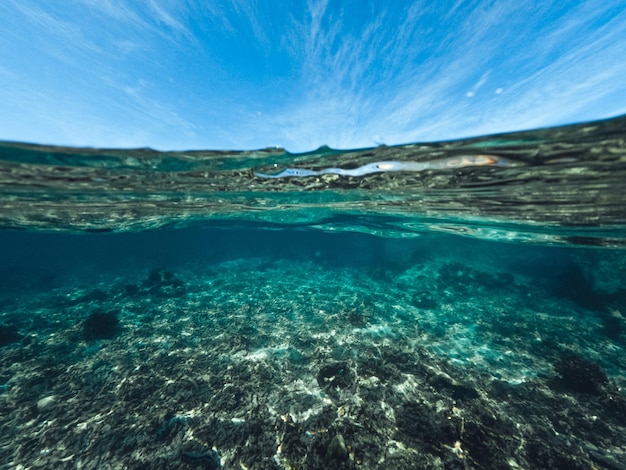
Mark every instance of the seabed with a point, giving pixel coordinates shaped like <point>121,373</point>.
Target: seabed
<point>263,362</point>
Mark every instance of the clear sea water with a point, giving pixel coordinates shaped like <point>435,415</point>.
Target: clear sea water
<point>453,305</point>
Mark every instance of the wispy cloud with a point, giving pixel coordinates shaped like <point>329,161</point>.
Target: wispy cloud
<point>456,86</point>
<point>180,74</point>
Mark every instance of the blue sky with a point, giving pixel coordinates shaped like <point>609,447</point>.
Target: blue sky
<point>203,74</point>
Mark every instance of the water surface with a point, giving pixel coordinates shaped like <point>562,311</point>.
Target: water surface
<point>531,185</point>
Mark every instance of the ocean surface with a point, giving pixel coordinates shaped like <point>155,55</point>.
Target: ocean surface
<point>450,305</point>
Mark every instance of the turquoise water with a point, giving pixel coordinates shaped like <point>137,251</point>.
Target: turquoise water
<point>450,305</point>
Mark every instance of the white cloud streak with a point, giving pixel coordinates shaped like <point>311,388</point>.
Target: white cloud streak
<point>353,74</point>
<point>346,107</point>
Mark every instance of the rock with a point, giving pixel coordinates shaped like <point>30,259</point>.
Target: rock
<point>337,450</point>
<point>163,283</point>
<point>101,325</point>
<point>336,376</point>
<point>46,402</point>
<point>580,375</point>
<point>9,334</point>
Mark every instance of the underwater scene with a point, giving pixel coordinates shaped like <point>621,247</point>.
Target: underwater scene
<point>449,305</point>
